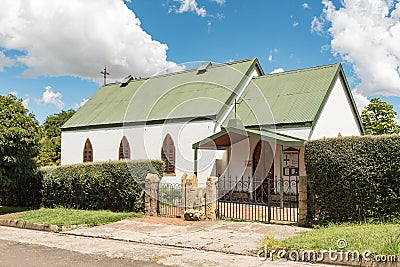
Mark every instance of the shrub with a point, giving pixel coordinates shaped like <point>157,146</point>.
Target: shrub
<point>113,185</point>
<point>23,192</point>
<point>354,178</point>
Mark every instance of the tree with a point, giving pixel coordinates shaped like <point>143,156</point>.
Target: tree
<point>50,143</point>
<point>379,118</point>
<point>19,139</point>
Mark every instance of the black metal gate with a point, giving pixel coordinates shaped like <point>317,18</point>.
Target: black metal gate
<point>272,200</point>
<point>171,199</point>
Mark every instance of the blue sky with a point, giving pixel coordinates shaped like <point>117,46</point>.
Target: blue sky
<point>52,52</point>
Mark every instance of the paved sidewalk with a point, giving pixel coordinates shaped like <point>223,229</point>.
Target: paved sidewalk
<point>139,252</point>
<point>241,238</point>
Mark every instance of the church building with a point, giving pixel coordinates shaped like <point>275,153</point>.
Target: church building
<point>227,119</point>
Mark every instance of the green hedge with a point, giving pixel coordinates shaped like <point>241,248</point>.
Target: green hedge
<point>23,192</point>
<point>354,178</point>
<point>113,185</point>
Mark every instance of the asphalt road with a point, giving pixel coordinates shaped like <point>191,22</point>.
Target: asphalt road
<point>19,254</point>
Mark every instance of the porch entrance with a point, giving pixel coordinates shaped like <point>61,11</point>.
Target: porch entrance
<point>263,196</point>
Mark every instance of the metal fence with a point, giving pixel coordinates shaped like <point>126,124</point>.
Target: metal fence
<point>242,198</point>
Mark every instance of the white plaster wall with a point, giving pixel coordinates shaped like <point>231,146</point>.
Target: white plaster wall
<point>145,143</point>
<point>337,115</point>
<point>302,133</point>
<point>240,153</point>
<point>105,145</point>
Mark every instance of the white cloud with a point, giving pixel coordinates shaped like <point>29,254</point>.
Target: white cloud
<point>278,70</point>
<point>25,103</point>
<point>51,97</point>
<point>367,35</point>
<point>305,6</point>
<point>270,57</point>
<point>361,100</point>
<point>317,25</point>
<point>83,102</point>
<point>188,6</point>
<point>5,61</point>
<point>221,2</point>
<point>295,24</point>
<point>62,37</point>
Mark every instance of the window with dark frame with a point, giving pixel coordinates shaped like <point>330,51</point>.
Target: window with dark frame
<point>124,149</point>
<point>88,151</point>
<point>168,155</point>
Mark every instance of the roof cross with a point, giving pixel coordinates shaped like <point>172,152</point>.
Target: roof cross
<point>105,73</point>
<point>236,103</point>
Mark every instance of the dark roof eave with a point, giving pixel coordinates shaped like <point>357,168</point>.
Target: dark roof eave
<point>137,123</point>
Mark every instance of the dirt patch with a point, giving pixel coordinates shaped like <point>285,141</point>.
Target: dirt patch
<point>164,220</point>
<point>10,215</point>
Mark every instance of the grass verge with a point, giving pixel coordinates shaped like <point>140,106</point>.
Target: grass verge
<point>380,239</point>
<point>66,217</point>
<point>7,209</point>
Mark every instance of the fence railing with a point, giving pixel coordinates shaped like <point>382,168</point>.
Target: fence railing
<point>172,199</point>
<point>246,198</point>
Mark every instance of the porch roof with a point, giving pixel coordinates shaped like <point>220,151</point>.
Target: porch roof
<point>228,136</point>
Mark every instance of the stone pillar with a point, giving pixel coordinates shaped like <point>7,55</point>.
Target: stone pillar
<point>211,198</point>
<point>189,184</point>
<point>302,200</point>
<point>152,195</point>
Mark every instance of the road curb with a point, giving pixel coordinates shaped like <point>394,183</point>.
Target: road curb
<point>38,226</point>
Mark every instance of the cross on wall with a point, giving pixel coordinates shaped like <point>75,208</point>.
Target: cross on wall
<point>286,160</point>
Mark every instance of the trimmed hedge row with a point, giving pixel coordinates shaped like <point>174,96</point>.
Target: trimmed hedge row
<point>354,178</point>
<point>26,192</point>
<point>113,185</point>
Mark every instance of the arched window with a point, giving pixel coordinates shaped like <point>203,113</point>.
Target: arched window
<point>168,154</point>
<point>124,149</point>
<point>88,151</point>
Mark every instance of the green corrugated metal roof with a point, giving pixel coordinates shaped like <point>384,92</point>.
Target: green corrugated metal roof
<point>177,95</point>
<point>293,96</point>
<point>261,134</point>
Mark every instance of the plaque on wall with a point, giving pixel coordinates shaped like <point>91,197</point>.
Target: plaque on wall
<point>291,161</point>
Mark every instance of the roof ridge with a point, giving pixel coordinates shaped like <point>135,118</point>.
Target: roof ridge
<point>189,70</point>
<point>299,70</point>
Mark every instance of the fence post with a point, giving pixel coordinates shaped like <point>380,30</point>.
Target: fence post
<point>269,199</point>
<point>302,200</point>
<point>152,195</point>
<point>211,195</point>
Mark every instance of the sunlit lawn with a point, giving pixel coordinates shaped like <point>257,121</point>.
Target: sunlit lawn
<point>383,239</point>
<point>63,216</point>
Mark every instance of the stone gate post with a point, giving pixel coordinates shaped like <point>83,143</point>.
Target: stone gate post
<point>189,185</point>
<point>211,198</point>
<point>302,200</point>
<point>152,195</point>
